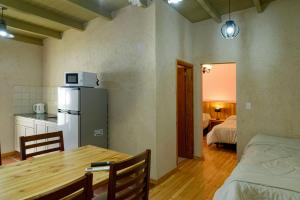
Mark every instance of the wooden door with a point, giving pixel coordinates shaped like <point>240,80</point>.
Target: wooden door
<point>185,118</point>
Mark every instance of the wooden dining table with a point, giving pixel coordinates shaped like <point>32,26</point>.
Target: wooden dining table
<point>29,178</point>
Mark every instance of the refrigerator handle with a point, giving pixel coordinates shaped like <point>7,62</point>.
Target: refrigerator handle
<point>62,111</point>
<point>73,112</point>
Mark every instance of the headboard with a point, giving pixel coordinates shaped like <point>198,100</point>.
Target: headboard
<point>228,109</point>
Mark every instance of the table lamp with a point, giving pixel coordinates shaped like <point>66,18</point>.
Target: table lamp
<point>217,110</point>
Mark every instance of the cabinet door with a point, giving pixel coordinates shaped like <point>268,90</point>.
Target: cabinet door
<point>40,128</point>
<point>51,127</point>
<point>19,131</point>
<point>30,131</point>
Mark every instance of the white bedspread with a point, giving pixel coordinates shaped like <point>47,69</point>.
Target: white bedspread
<point>269,169</point>
<point>223,133</point>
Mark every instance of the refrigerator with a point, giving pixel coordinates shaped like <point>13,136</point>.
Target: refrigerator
<point>82,116</point>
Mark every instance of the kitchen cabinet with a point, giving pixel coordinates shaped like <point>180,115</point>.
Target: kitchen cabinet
<point>40,127</point>
<point>28,126</point>
<point>51,127</point>
<point>23,131</point>
<point>23,127</point>
<point>19,131</point>
<point>28,132</point>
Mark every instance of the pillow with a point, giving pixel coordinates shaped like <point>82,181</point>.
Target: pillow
<point>206,116</point>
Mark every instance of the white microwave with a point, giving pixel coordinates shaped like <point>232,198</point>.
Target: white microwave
<point>81,79</point>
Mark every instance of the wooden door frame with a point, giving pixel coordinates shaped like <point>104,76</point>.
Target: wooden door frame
<point>191,66</point>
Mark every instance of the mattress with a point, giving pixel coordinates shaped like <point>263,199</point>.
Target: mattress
<point>223,133</point>
<point>205,119</point>
<point>269,169</point>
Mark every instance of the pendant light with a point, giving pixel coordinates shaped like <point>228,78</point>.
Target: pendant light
<point>230,29</point>
<point>3,28</point>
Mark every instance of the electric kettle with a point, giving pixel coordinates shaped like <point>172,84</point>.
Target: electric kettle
<point>39,108</point>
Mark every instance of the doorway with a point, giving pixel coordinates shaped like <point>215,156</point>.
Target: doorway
<point>219,106</point>
<point>185,113</point>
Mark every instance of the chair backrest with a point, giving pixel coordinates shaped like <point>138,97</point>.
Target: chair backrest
<point>41,140</point>
<point>129,179</point>
<point>81,189</point>
<point>0,156</point>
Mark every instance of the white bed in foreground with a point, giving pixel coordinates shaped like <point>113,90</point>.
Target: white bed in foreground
<point>223,133</point>
<point>269,169</point>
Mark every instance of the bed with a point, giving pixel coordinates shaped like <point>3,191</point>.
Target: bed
<point>224,133</point>
<point>269,169</point>
<point>205,119</point>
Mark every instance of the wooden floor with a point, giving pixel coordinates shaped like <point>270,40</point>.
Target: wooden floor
<point>197,179</point>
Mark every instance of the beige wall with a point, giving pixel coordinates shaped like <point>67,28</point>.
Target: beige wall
<point>123,51</point>
<point>173,41</point>
<point>220,83</point>
<point>20,65</point>
<point>267,55</point>
<point>140,81</point>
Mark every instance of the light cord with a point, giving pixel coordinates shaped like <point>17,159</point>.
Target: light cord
<point>229,10</point>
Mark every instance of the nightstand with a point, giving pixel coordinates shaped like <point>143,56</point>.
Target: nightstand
<point>214,122</point>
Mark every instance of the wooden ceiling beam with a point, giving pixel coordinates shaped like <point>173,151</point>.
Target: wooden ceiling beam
<point>93,7</point>
<point>210,10</point>
<point>258,5</point>
<point>43,13</point>
<point>25,26</point>
<point>146,3</point>
<point>27,39</point>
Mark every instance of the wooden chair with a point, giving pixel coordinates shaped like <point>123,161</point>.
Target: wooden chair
<point>0,156</point>
<point>45,143</point>
<point>80,189</point>
<point>129,179</point>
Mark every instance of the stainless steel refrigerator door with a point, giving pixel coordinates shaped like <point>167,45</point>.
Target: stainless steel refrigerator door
<point>94,117</point>
<point>68,99</point>
<point>69,124</point>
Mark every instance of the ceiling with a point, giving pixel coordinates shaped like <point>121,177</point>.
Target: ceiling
<point>199,10</point>
<point>34,20</point>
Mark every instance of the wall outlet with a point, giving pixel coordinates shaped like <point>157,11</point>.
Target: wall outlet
<point>248,106</point>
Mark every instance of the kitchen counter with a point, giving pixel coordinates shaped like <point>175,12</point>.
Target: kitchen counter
<point>44,117</point>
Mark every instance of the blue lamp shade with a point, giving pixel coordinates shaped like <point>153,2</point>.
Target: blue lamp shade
<point>230,29</point>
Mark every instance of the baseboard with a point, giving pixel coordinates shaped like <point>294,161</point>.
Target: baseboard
<point>199,157</point>
<point>10,154</point>
<point>170,173</point>
<point>164,177</point>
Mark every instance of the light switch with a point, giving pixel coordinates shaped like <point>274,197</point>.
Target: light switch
<point>248,105</point>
